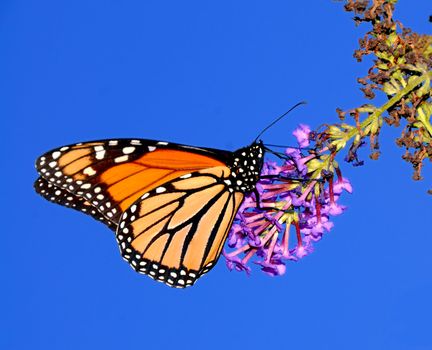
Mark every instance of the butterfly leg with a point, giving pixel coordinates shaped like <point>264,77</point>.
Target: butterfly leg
<point>258,199</point>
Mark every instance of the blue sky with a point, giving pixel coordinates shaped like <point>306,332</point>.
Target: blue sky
<point>209,74</point>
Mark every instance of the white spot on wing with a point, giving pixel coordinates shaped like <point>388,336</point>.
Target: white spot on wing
<point>56,154</point>
<point>121,159</point>
<point>100,154</point>
<point>128,150</point>
<point>89,171</point>
<point>160,189</point>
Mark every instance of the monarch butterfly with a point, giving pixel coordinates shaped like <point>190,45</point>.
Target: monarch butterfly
<point>171,206</point>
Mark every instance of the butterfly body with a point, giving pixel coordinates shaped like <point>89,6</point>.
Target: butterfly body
<point>170,205</point>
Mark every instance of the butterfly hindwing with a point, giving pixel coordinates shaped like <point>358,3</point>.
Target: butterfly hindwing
<point>175,232</point>
<point>62,197</point>
<point>112,174</point>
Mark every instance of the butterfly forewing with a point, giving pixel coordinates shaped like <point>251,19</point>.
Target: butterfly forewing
<point>112,174</point>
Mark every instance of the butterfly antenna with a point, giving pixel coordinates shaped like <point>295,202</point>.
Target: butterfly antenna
<point>279,118</point>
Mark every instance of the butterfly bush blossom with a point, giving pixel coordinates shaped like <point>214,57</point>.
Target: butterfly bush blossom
<point>296,201</point>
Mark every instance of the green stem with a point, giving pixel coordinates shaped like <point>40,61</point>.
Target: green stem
<point>390,103</point>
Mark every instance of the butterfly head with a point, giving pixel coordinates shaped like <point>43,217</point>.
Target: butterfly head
<point>246,167</point>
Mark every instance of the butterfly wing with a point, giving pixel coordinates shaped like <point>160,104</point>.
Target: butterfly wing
<point>112,174</point>
<point>175,232</point>
<point>61,196</point>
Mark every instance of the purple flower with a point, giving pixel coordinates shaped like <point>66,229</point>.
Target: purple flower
<point>234,262</point>
<point>303,250</point>
<point>316,228</point>
<point>302,135</point>
<point>294,212</point>
<point>236,236</point>
<point>296,158</point>
<point>335,209</point>
<point>342,184</point>
<point>270,168</point>
<point>274,268</point>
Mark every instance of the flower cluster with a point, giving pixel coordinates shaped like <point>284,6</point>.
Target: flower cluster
<point>296,201</point>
